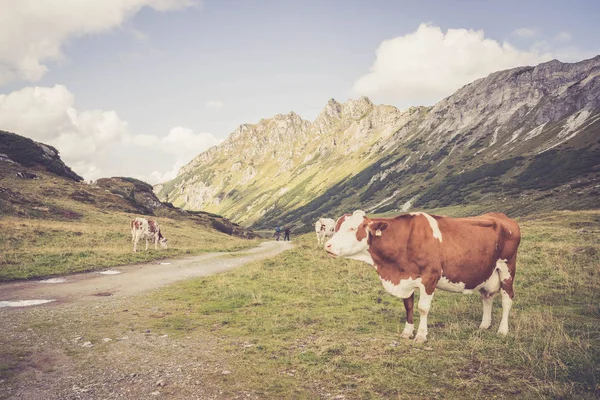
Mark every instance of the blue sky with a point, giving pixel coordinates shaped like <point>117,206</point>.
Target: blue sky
<point>144,85</point>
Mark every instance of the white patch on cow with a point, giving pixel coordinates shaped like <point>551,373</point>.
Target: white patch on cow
<point>54,280</point>
<point>404,289</point>
<point>506,305</point>
<point>455,287</point>
<point>432,223</point>
<point>486,320</point>
<point>491,285</point>
<point>424,307</point>
<point>502,268</point>
<point>23,303</point>
<point>363,256</point>
<point>109,272</point>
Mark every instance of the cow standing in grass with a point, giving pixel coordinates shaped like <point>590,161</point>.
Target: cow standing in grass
<point>423,252</point>
<point>324,229</point>
<point>147,229</point>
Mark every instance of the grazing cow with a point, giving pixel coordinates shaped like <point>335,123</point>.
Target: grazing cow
<point>324,229</point>
<point>423,252</point>
<point>142,228</point>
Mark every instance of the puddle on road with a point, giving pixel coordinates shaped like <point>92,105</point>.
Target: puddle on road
<point>109,272</point>
<point>23,303</point>
<point>54,280</point>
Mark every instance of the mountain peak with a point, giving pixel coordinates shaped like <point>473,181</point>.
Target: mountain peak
<point>355,109</point>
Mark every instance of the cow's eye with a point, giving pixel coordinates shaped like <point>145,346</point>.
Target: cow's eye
<point>352,229</point>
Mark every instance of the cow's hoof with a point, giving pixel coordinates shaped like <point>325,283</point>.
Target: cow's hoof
<point>420,339</point>
<point>406,335</point>
<point>503,332</point>
<point>485,326</point>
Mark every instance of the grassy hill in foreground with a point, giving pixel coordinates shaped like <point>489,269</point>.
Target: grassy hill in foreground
<point>306,326</point>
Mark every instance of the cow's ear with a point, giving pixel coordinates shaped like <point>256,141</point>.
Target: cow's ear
<point>376,227</point>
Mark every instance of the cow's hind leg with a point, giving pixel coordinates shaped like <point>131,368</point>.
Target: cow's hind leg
<point>506,269</point>
<point>409,328</point>
<point>424,307</point>
<point>488,300</point>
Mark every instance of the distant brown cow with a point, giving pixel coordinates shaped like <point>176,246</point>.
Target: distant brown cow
<point>425,252</point>
<point>142,228</point>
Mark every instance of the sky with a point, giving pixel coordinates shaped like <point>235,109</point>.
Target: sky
<point>140,87</point>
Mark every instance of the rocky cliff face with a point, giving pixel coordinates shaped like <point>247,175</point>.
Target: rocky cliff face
<point>510,132</point>
<point>282,161</point>
<point>27,153</point>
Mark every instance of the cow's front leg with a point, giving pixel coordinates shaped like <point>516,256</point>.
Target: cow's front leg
<point>409,328</point>
<point>146,244</point>
<point>424,307</point>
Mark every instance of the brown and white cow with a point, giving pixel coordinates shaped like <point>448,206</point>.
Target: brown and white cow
<point>324,228</point>
<point>423,252</point>
<point>147,229</point>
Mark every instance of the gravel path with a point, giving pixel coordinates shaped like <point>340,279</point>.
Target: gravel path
<point>133,279</point>
<point>98,338</point>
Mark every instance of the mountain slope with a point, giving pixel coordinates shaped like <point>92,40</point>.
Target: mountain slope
<point>281,163</point>
<point>36,184</point>
<point>517,135</point>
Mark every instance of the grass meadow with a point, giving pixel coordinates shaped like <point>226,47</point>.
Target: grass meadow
<point>304,325</point>
<point>31,248</point>
<point>45,232</point>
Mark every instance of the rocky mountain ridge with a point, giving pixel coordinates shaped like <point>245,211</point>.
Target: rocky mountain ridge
<point>502,130</point>
<point>29,154</point>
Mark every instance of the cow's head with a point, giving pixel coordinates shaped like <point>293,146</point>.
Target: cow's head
<point>163,242</point>
<point>351,236</point>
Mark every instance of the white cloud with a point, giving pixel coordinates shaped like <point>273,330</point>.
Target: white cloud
<point>86,139</point>
<point>563,37</point>
<point>215,104</point>
<point>157,176</point>
<point>181,142</point>
<point>34,31</point>
<point>525,32</point>
<point>424,66</point>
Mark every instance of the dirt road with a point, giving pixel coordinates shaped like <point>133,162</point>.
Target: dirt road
<point>133,279</point>
<point>98,338</point>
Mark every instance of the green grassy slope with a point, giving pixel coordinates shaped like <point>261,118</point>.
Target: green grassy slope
<point>305,325</point>
<point>53,225</point>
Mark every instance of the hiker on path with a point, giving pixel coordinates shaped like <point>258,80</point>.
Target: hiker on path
<point>277,233</point>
